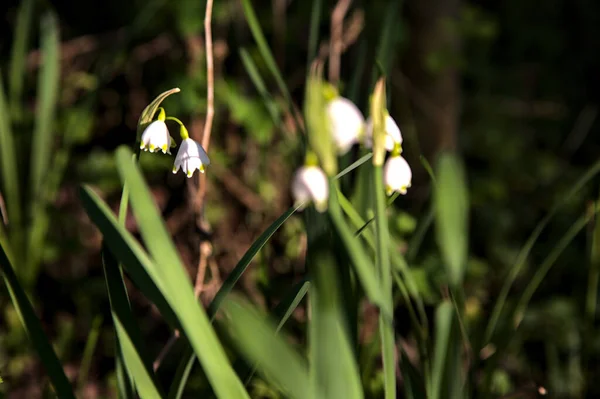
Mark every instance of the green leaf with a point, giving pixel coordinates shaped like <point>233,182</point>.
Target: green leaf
<point>313,36</point>
<point>252,71</point>
<point>19,53</point>
<point>386,329</point>
<point>47,98</point>
<point>276,360</point>
<point>9,166</point>
<point>452,216</point>
<point>528,246</point>
<point>284,310</point>
<point>244,262</point>
<point>333,369</point>
<point>128,251</point>
<point>34,330</point>
<point>363,266</point>
<point>178,291</point>
<point>443,329</point>
<point>265,52</point>
<point>129,337</point>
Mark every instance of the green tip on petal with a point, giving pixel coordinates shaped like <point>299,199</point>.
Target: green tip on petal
<point>330,92</point>
<point>397,150</point>
<point>142,146</point>
<point>162,114</point>
<point>190,173</point>
<point>388,190</point>
<point>174,169</point>
<point>152,147</point>
<point>202,168</point>
<point>164,148</point>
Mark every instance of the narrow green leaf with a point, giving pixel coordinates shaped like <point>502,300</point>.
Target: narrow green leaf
<point>48,88</point>
<point>354,165</point>
<point>88,352</point>
<point>284,310</point>
<point>10,169</point>
<point>277,361</point>
<point>19,53</point>
<point>313,36</point>
<point>124,380</point>
<point>414,387</point>
<point>34,330</point>
<point>443,329</point>
<point>549,261</point>
<point>266,54</point>
<point>386,329</point>
<point>363,266</point>
<point>129,336</point>
<point>128,251</point>
<point>333,369</point>
<point>524,253</point>
<point>452,216</point>
<point>385,48</point>
<point>243,264</point>
<point>594,274</point>
<point>252,71</point>
<point>177,287</point>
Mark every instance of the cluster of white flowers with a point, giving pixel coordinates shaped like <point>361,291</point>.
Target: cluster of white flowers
<point>190,156</point>
<point>348,127</point>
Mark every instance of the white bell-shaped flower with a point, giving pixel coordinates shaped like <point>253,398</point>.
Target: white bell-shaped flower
<point>397,175</point>
<point>310,185</point>
<point>393,135</point>
<point>346,123</point>
<point>156,137</point>
<point>191,156</point>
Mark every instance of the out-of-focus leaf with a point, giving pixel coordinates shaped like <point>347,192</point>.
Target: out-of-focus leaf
<point>443,329</point>
<point>34,329</point>
<point>452,216</point>
<point>19,54</point>
<point>172,277</point>
<point>275,359</point>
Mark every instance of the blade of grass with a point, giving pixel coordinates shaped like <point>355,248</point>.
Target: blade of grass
<point>524,253</point>
<point>48,87</point>
<point>34,330</point>
<point>10,177</point>
<point>18,55</point>
<point>178,289</point>
<point>277,361</point>
<point>263,47</point>
<point>384,55</point>
<point>443,329</point>
<point>333,369</point>
<point>549,261</point>
<point>414,387</point>
<point>313,36</point>
<point>128,251</point>
<point>452,212</point>
<point>283,311</point>
<point>594,275</point>
<point>258,82</point>
<point>88,352</point>
<point>386,330</point>
<point>363,266</point>
<point>124,379</point>
<point>129,336</point>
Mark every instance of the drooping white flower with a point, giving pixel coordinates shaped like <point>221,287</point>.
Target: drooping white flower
<point>190,156</point>
<point>156,137</point>
<point>393,135</point>
<point>310,185</point>
<point>346,123</point>
<point>397,175</point>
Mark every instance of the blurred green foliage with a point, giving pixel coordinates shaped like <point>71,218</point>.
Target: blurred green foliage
<point>528,132</point>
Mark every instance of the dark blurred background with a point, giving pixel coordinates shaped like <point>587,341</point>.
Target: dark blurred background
<point>512,85</point>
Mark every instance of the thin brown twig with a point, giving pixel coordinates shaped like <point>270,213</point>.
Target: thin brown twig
<point>337,43</point>
<point>165,350</point>
<point>210,112</point>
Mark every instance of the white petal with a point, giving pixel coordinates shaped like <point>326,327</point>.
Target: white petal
<point>190,157</point>
<point>155,137</point>
<point>397,175</point>
<point>393,134</point>
<point>310,185</point>
<point>347,123</point>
